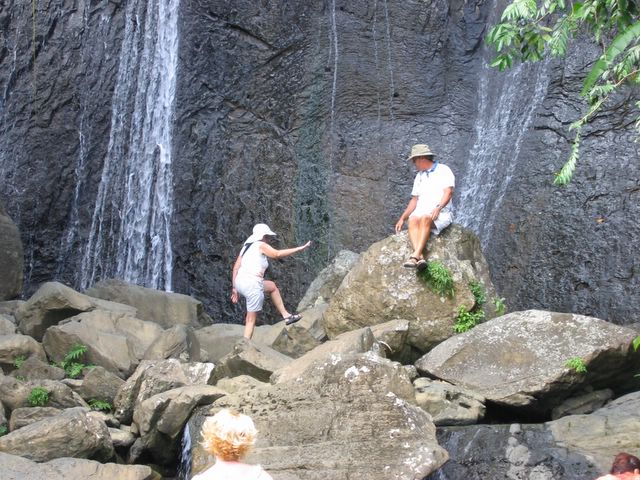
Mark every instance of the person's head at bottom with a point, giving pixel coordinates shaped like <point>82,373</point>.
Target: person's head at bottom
<point>625,463</point>
<point>228,435</point>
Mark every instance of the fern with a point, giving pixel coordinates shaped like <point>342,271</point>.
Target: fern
<point>566,172</point>
<point>577,364</point>
<point>438,278</point>
<point>100,405</point>
<point>69,363</point>
<point>38,397</point>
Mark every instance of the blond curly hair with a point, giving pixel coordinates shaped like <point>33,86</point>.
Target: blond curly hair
<point>228,435</point>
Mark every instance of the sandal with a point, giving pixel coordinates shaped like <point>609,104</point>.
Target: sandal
<point>421,265</point>
<point>292,319</point>
<point>411,263</point>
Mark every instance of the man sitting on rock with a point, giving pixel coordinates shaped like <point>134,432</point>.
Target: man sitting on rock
<point>430,205</point>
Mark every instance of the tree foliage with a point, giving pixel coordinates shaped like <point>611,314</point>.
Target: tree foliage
<point>530,30</point>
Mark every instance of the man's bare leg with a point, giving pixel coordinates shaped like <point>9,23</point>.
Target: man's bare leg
<point>250,324</point>
<point>419,232</point>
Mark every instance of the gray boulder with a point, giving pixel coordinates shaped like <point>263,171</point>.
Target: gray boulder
<point>153,377</point>
<point>250,358</point>
<point>178,342</point>
<point>14,467</point>
<point>488,452</point>
<point>164,308</point>
<point>379,289</point>
<point>218,339</point>
<point>328,280</point>
<point>114,341</point>
<point>7,324</point>
<point>35,369</point>
<point>15,394</point>
<point>346,419</point>
<point>358,341</point>
<point>161,418</point>
<point>241,382</point>
<point>71,434</point>
<point>23,416</point>
<point>18,347</point>
<point>602,434</point>
<point>11,258</point>
<point>97,383</point>
<point>10,307</point>
<point>520,359</point>
<point>581,404</point>
<point>53,302</point>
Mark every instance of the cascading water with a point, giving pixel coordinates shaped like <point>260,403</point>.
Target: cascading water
<point>130,236</point>
<point>505,112</point>
<point>184,466</point>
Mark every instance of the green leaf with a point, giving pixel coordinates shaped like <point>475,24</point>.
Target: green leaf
<point>636,343</point>
<point>565,174</point>
<point>617,46</point>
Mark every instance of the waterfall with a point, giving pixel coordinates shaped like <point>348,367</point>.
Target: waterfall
<point>130,236</point>
<point>184,466</point>
<point>505,110</point>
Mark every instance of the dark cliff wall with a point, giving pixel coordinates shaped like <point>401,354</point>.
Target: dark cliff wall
<point>301,114</point>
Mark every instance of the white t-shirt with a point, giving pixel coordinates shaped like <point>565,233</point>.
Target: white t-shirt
<point>429,187</point>
<point>254,262</point>
<point>233,471</point>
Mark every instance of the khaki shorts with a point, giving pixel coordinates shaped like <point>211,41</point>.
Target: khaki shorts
<point>443,221</point>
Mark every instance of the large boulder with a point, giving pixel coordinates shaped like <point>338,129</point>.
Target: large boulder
<point>164,308</point>
<point>379,289</point>
<point>114,341</point>
<point>250,358</point>
<point>73,433</point>
<point>35,369</point>
<point>217,340</point>
<point>350,417</point>
<point>161,418</point>
<point>178,342</point>
<point>23,416</point>
<point>328,280</point>
<point>358,341</point>
<point>15,348</point>
<point>97,383</point>
<point>604,433</point>
<point>11,258</point>
<point>14,467</point>
<point>15,394</point>
<point>448,404</point>
<point>153,377</point>
<point>54,302</point>
<point>515,451</point>
<point>520,360</point>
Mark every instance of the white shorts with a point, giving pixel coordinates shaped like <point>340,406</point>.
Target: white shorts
<point>252,289</point>
<point>443,221</point>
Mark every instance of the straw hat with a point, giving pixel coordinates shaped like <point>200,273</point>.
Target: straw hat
<point>420,150</point>
<point>259,231</point>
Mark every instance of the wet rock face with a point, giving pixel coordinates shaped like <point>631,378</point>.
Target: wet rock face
<point>301,115</point>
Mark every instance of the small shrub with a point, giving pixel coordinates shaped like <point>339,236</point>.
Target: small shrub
<point>38,397</point>
<point>438,278</point>
<point>100,405</point>
<point>70,364</point>
<point>478,292</point>
<point>500,306</point>
<point>577,364</point>
<point>3,430</point>
<point>466,320</point>
<point>19,361</point>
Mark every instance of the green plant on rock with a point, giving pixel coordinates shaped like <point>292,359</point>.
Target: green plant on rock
<point>577,364</point>
<point>19,361</point>
<point>500,306</point>
<point>38,397</point>
<point>102,405</point>
<point>478,292</point>
<point>70,364</point>
<point>636,343</point>
<point>3,430</point>
<point>438,278</point>
<point>467,319</point>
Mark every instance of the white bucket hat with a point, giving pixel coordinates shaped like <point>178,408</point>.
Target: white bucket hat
<point>259,231</point>
<point>420,150</point>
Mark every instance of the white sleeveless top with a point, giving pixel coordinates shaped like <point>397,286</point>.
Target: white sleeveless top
<point>254,262</point>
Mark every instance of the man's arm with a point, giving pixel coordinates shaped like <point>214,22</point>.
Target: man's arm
<point>410,208</point>
<point>447,193</point>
